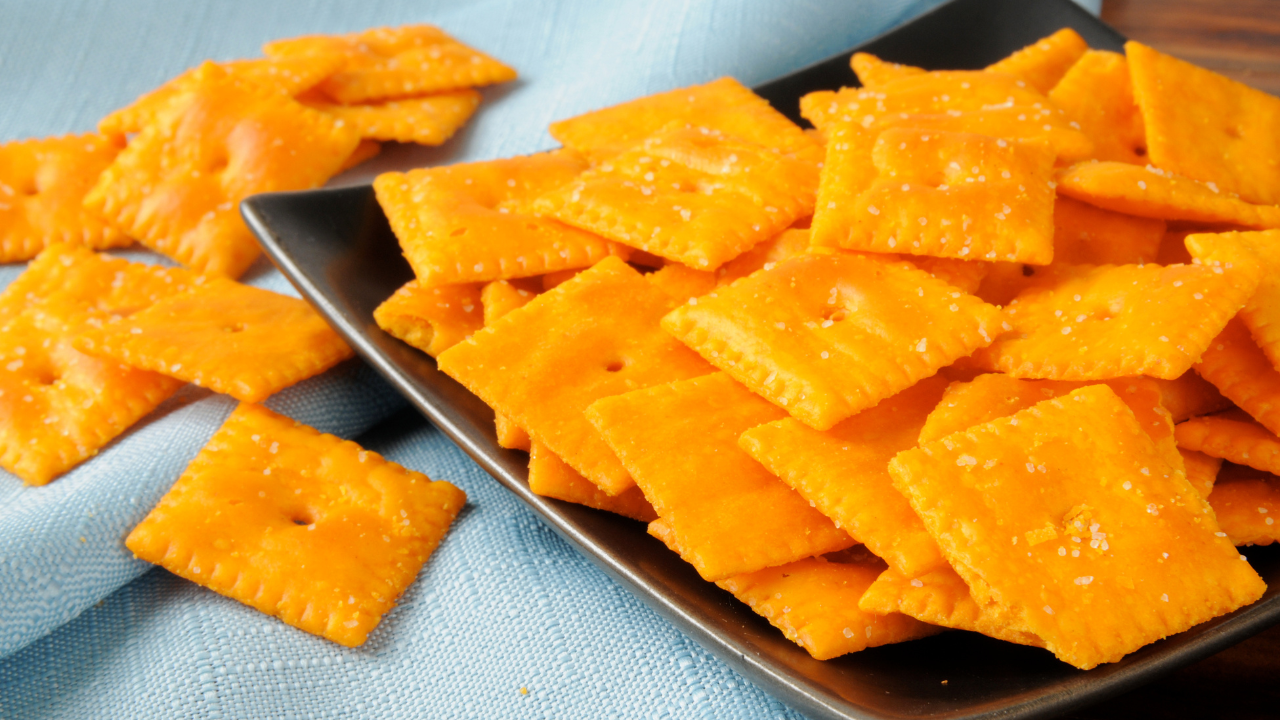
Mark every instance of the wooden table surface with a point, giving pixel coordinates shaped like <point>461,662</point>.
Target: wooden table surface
<point>1240,39</point>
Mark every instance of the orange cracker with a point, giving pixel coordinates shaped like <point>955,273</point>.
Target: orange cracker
<point>289,77</point>
<point>1097,558</point>
<point>1206,126</point>
<point>178,184</point>
<point>397,62</point>
<point>499,298</point>
<point>965,275</point>
<point>232,338</point>
<point>956,195</point>
<point>682,282</point>
<point>725,105</point>
<point>1043,63</point>
<point>601,329</point>
<point>1189,395</point>
<point>366,150</point>
<point>1155,193</point>
<point>690,195</point>
<point>1097,95</point>
<point>456,224</point>
<point>939,596</point>
<point>1112,321</point>
<point>1084,234</point>
<point>1247,509</point>
<point>1262,250</point>
<point>815,604</point>
<point>1202,470</point>
<point>429,120</point>
<point>788,243</point>
<point>844,472</point>
<point>432,319</point>
<point>1232,436</point>
<point>42,188</point>
<point>1235,365</point>
<point>302,526</point>
<point>728,514</point>
<point>873,71</point>
<point>825,336</point>
<point>551,477</point>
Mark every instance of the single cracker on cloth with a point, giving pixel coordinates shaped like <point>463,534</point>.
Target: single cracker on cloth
<point>300,525</point>
<point>1155,193</point>
<point>1207,127</point>
<point>873,71</point>
<point>178,184</point>
<point>384,63</point>
<point>1097,95</point>
<point>692,195</point>
<point>467,222</point>
<point>290,77</point>
<point>599,328</point>
<point>826,336</point>
<point>429,120</point>
<point>432,319</point>
<point>725,105</point>
<point>552,477</point>
<point>728,514</point>
<point>1110,321</point>
<point>814,602</point>
<point>42,187</point>
<point>1247,507</point>
<point>243,341</point>
<point>1262,251</point>
<point>1043,63</point>
<point>1096,558</point>
<point>956,195</point>
<point>1238,368</point>
<point>1233,436</point>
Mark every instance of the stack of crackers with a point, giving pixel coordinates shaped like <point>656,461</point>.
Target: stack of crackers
<point>917,368</point>
<point>90,344</point>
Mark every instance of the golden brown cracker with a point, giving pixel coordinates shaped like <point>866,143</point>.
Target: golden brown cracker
<point>600,328</point>
<point>550,476</point>
<point>429,120</point>
<point>1043,63</point>
<point>1097,95</point>
<point>432,319</point>
<point>302,526</point>
<point>825,336</point>
<point>231,338</point>
<point>728,514</point>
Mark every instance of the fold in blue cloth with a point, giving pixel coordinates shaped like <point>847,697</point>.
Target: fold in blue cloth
<point>504,605</point>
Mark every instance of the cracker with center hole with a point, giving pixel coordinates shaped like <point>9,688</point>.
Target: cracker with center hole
<point>1043,63</point>
<point>243,341</point>
<point>815,604</point>
<point>429,120</point>
<point>1247,509</point>
<point>1233,436</point>
<point>550,476</point>
<point>1155,193</point>
<point>1111,321</point>
<point>1097,95</point>
<point>1206,126</point>
<point>383,63</point>
<point>1202,470</point>
<point>457,223</point>
<point>601,329</point>
<point>691,195</point>
<point>1235,365</point>
<point>728,514</point>
<point>939,596</point>
<point>42,187</point>
<point>844,472</point>
<point>873,71</point>
<point>58,407</point>
<point>724,105</point>
<point>432,319</point>
<point>178,185</point>
<point>826,336</point>
<point>1261,250</point>
<point>1010,501</point>
<point>956,195</point>
<point>1085,234</point>
<point>290,77</point>
<point>303,526</point>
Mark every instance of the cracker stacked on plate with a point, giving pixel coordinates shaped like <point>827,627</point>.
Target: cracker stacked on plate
<point>918,368</point>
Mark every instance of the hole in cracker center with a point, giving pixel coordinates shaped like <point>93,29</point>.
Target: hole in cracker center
<point>615,366</point>
<point>234,328</point>
<point>302,518</point>
<point>835,314</point>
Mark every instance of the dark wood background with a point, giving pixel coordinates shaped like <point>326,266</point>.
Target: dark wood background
<point>1240,39</point>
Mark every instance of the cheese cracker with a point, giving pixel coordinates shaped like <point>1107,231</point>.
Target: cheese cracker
<point>432,319</point>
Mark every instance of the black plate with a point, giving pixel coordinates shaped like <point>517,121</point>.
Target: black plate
<point>336,247</point>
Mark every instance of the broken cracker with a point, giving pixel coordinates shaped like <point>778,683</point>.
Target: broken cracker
<point>432,319</point>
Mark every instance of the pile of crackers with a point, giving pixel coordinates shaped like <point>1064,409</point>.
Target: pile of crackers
<point>916,368</point>
<point>303,526</point>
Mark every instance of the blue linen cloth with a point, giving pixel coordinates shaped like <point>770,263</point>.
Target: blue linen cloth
<point>504,604</point>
